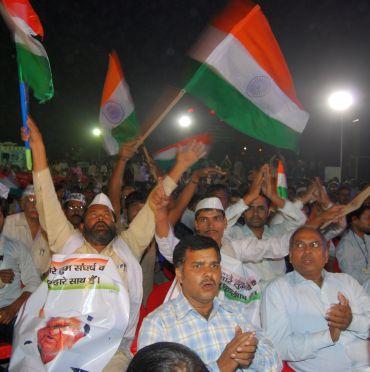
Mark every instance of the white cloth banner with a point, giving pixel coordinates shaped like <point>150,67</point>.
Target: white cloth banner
<point>75,320</point>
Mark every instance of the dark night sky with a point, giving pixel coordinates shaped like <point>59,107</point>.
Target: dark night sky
<point>325,43</point>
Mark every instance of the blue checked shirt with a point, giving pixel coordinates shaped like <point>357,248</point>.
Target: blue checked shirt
<point>177,321</point>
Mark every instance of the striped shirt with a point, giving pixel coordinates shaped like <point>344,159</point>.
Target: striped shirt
<point>177,321</point>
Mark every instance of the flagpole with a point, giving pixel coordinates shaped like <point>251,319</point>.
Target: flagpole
<point>23,91</point>
<point>159,119</point>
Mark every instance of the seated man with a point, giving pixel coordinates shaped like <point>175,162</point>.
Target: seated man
<point>25,227</point>
<point>16,268</point>
<point>98,234</point>
<point>353,251</point>
<point>318,321</point>
<point>218,331</point>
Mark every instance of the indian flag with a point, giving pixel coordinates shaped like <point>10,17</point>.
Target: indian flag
<point>165,157</point>
<point>117,112</point>
<point>282,188</point>
<point>242,75</point>
<point>33,63</point>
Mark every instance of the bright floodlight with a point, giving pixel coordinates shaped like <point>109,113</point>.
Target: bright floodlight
<point>184,121</point>
<point>96,132</point>
<point>340,101</point>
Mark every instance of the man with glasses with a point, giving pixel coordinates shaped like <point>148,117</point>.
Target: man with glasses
<point>74,208</point>
<point>318,321</point>
<point>25,227</point>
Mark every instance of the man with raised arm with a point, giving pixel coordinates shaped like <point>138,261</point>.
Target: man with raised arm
<point>97,233</point>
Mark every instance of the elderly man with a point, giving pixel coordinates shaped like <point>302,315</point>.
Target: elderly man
<point>219,331</point>
<point>18,278</point>
<point>353,251</point>
<point>74,205</point>
<point>25,227</point>
<point>97,234</point>
<point>318,321</point>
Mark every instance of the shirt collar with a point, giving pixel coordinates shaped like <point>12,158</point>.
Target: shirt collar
<point>299,279</point>
<point>183,307</point>
<point>22,220</point>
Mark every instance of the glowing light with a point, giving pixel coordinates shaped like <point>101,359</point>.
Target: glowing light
<point>341,100</point>
<point>184,121</point>
<point>96,132</point>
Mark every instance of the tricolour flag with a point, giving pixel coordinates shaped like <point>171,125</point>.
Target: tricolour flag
<point>243,77</point>
<point>165,157</point>
<point>33,63</point>
<point>282,188</point>
<point>117,112</point>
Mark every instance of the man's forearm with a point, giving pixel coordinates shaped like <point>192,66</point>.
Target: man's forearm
<point>115,185</point>
<point>177,171</point>
<point>182,202</point>
<point>39,157</point>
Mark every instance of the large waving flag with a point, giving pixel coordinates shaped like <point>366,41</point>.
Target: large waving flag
<point>166,156</point>
<point>33,63</point>
<point>117,112</point>
<point>242,75</point>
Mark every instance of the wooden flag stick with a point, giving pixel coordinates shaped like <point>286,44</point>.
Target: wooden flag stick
<point>151,164</point>
<point>159,119</point>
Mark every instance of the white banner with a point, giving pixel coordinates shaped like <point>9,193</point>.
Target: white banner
<point>75,320</point>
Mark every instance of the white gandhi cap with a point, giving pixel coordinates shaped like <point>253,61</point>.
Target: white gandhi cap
<point>102,199</point>
<point>209,203</point>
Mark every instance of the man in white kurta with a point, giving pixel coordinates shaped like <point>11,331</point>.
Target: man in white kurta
<point>318,321</point>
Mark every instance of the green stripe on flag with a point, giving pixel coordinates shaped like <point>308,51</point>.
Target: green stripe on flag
<point>36,73</point>
<point>282,192</point>
<point>128,130</point>
<point>233,108</point>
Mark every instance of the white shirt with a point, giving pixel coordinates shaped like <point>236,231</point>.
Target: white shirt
<point>353,255</point>
<point>270,269</point>
<point>293,315</point>
<point>14,255</point>
<point>16,227</point>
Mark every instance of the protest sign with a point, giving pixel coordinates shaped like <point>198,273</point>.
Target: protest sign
<point>75,320</point>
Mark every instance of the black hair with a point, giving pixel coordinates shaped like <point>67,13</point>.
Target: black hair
<point>135,197</point>
<point>166,357</point>
<point>218,187</point>
<point>303,228</point>
<point>357,213</point>
<point>193,243</point>
<point>4,206</point>
<point>344,187</point>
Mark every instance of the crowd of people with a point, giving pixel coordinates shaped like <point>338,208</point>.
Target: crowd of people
<point>253,280</point>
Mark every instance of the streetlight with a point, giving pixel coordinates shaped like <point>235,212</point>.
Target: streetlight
<point>96,132</point>
<point>341,101</point>
<point>184,121</point>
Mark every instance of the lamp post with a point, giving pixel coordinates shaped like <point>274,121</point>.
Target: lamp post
<point>341,101</point>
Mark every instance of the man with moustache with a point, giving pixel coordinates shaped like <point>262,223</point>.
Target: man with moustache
<point>25,227</point>
<point>97,233</point>
<point>218,331</point>
<point>318,321</point>
<point>18,278</point>
<point>74,206</point>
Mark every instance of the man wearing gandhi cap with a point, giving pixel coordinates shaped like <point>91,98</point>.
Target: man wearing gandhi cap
<point>25,227</point>
<point>74,205</point>
<point>210,221</point>
<point>97,233</point>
